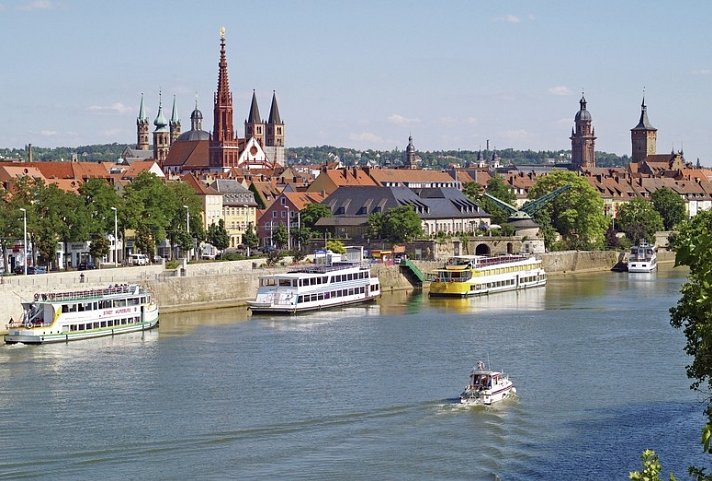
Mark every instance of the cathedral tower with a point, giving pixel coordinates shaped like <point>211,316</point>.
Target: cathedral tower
<point>583,154</point>
<point>224,147</point>
<point>142,129</point>
<point>161,135</point>
<point>254,126</point>
<point>410,159</point>
<point>643,136</point>
<point>275,133</point>
<point>174,124</point>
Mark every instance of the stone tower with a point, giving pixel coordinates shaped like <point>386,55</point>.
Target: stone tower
<point>254,125</point>
<point>274,146</point>
<point>583,153</point>
<point>142,129</point>
<point>161,135</point>
<point>174,124</point>
<point>224,148</point>
<point>643,136</point>
<point>410,159</point>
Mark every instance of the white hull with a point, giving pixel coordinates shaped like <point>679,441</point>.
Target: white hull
<point>30,337</point>
<point>487,397</point>
<point>642,267</point>
<point>643,259</point>
<point>75,315</point>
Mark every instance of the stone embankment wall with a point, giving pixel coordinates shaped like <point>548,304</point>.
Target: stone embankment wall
<point>230,284</point>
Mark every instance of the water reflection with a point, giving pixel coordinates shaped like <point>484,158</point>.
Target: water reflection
<point>182,323</point>
<point>529,299</point>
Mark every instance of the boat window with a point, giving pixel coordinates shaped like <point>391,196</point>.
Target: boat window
<point>133,301</point>
<point>110,323</point>
<point>285,283</point>
<point>119,302</point>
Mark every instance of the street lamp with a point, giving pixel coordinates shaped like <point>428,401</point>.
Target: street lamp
<point>116,236</point>
<point>24,245</point>
<point>187,227</point>
<point>289,234</point>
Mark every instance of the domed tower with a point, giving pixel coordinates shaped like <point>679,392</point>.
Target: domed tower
<point>174,124</point>
<point>410,159</point>
<point>583,154</point>
<point>142,129</point>
<point>254,126</point>
<point>643,136</point>
<point>275,133</point>
<point>161,135</point>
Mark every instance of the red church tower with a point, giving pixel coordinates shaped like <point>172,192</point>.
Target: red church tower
<point>224,146</point>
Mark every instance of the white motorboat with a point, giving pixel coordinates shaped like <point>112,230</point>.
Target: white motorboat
<point>643,258</point>
<point>486,387</point>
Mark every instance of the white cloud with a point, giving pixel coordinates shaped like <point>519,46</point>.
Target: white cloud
<point>508,19</point>
<point>36,5</point>
<point>702,71</point>
<point>471,120</point>
<point>365,137</point>
<point>400,120</point>
<point>117,107</point>
<point>516,135</point>
<point>560,90</point>
<point>48,133</point>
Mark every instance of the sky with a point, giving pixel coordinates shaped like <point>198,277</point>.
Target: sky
<point>363,74</point>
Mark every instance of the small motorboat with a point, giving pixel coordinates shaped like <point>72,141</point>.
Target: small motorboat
<point>486,386</point>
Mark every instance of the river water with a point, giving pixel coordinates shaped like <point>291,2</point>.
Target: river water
<point>366,393</point>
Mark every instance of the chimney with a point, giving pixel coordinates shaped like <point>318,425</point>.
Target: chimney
<point>29,152</point>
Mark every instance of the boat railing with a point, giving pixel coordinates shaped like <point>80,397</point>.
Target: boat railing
<point>85,294</point>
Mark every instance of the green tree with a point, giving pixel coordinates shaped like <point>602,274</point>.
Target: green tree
<point>496,187</point>
<point>651,468</point>
<point>336,246</point>
<point>249,238</point>
<point>11,226</point>
<point>693,313</point>
<point>401,224</point>
<point>99,246</point>
<point>218,236</point>
<point>639,220</point>
<point>150,210</point>
<point>312,213</point>
<point>258,197</point>
<point>279,236</point>
<point>576,214</point>
<point>55,213</point>
<point>376,225</point>
<point>670,206</point>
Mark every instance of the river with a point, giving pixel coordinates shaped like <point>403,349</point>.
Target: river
<point>366,393</point>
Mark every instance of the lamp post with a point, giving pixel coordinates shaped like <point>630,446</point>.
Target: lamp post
<point>187,227</point>
<point>116,236</point>
<point>289,234</point>
<point>24,245</point>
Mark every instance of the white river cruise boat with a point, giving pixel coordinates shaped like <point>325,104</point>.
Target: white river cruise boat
<point>476,275</point>
<point>486,387</point>
<point>333,280</point>
<point>73,315</point>
<point>643,258</point>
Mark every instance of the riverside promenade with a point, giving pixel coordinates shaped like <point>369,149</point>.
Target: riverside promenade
<point>211,285</point>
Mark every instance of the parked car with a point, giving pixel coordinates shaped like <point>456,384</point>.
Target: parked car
<point>31,270</point>
<point>138,259</point>
<point>86,266</point>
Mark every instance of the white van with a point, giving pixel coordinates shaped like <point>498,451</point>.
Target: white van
<point>138,259</point>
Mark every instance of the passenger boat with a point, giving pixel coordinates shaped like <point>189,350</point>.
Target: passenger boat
<point>643,258</point>
<point>333,280</point>
<point>486,387</point>
<point>73,315</point>
<point>477,275</point>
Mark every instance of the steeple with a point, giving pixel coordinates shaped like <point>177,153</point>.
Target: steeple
<point>275,126</point>
<point>643,136</point>
<point>174,123</point>
<point>411,159</point>
<point>224,149</point>
<point>254,126</point>
<point>274,117</point>
<point>142,128</point>
<point>161,135</point>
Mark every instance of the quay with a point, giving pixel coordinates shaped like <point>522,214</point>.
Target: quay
<point>214,285</point>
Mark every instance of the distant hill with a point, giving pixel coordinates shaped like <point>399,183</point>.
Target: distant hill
<point>326,153</point>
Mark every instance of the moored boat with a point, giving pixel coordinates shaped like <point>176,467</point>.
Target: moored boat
<point>486,386</point>
<point>84,314</point>
<point>333,280</point>
<point>469,275</point>
<point>643,258</point>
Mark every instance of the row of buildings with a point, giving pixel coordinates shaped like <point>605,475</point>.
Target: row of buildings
<point>243,180</point>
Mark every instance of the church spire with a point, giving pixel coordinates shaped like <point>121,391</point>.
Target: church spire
<point>174,122</point>
<point>224,148</point>
<point>254,117</point>
<point>142,128</point>
<point>274,117</point>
